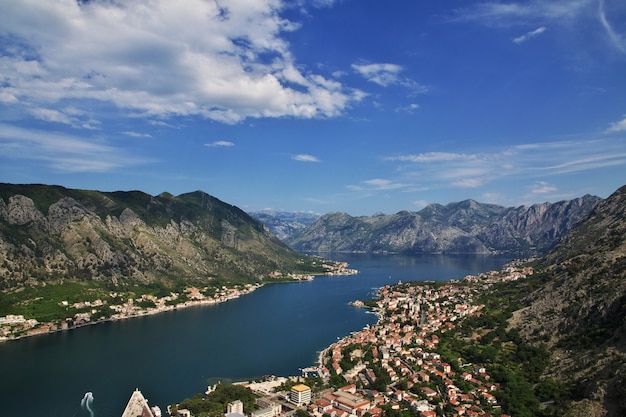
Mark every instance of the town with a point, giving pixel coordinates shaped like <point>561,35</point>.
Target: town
<point>385,369</point>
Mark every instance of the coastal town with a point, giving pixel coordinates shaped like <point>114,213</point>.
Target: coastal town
<point>387,369</point>
<point>119,306</point>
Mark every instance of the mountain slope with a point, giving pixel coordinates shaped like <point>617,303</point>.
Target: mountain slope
<point>580,310</point>
<point>463,227</point>
<point>51,233</point>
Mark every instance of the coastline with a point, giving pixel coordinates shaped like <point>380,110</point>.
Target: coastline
<point>51,327</point>
<point>129,310</point>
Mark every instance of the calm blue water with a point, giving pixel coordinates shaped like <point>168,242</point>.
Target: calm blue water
<point>171,356</point>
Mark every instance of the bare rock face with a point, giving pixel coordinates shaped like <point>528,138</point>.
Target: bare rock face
<point>65,212</point>
<point>464,227</point>
<point>22,210</point>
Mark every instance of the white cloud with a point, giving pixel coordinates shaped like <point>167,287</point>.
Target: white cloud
<point>137,134</point>
<point>50,115</point>
<point>386,74</point>
<point>381,74</point>
<point>619,126</point>
<point>377,184</point>
<point>305,158</point>
<point>432,157</point>
<point>219,144</point>
<point>529,35</point>
<point>7,97</point>
<point>69,116</point>
<point>224,62</point>
<point>542,187</point>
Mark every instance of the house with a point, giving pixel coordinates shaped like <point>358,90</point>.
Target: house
<point>429,392</point>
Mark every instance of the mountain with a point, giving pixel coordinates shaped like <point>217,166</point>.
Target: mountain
<point>579,310</point>
<point>51,233</point>
<point>284,224</point>
<point>463,227</point>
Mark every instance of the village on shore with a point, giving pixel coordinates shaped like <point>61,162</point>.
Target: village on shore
<point>16,326</point>
<point>392,366</point>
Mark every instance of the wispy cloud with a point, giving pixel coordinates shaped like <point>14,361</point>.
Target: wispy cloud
<point>386,74</point>
<point>617,40</point>
<point>381,74</point>
<point>542,187</point>
<point>410,109</point>
<point>525,161</point>
<point>63,152</point>
<point>377,184</point>
<point>219,144</point>
<point>158,59</point>
<point>514,13</point>
<point>619,126</point>
<point>529,35</point>
<point>468,182</point>
<point>305,158</point>
<point>137,134</point>
<point>69,116</point>
<point>555,12</point>
<point>433,157</point>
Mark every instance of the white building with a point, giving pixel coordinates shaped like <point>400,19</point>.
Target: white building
<point>235,407</point>
<point>273,410</point>
<point>300,395</point>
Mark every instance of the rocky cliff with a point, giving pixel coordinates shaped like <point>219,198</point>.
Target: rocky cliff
<point>50,233</point>
<point>463,227</point>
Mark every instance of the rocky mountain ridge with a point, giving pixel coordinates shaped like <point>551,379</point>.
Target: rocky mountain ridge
<point>51,233</point>
<point>463,227</point>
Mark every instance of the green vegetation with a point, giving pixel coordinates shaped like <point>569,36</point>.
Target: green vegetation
<point>216,403</point>
<point>515,365</point>
<point>43,302</point>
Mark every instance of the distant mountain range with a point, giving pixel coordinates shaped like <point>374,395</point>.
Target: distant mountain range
<point>463,227</point>
<point>284,224</point>
<point>51,233</point>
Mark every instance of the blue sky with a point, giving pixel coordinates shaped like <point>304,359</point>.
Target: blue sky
<point>360,106</point>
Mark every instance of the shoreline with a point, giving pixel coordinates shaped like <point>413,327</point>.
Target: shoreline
<point>46,328</point>
<point>113,318</point>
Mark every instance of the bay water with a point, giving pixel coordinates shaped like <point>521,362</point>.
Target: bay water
<point>276,330</point>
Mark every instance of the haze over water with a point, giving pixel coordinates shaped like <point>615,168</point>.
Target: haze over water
<point>275,330</point>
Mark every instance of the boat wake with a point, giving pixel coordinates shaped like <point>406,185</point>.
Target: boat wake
<point>86,402</point>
